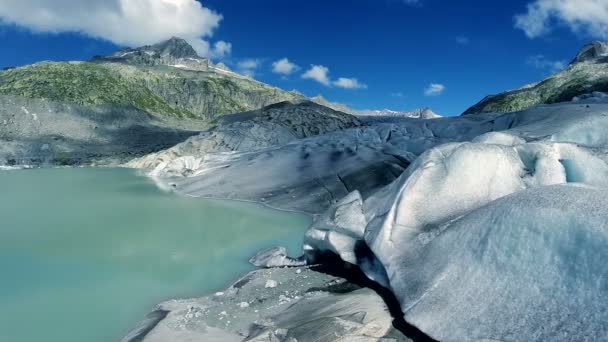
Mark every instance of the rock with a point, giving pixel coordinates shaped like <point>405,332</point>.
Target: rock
<point>175,51</point>
<point>271,284</point>
<point>275,257</point>
<point>592,52</point>
<point>327,308</point>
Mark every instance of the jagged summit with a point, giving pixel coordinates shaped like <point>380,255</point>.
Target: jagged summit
<point>174,52</point>
<point>176,47</point>
<point>594,51</point>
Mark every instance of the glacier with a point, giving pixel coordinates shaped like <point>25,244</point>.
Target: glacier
<point>497,252</point>
<point>312,173</point>
<point>484,227</point>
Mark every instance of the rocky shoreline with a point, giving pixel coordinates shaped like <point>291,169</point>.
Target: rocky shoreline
<point>329,302</point>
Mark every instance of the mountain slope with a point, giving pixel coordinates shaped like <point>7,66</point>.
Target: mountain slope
<point>39,132</point>
<point>166,79</point>
<point>587,73</point>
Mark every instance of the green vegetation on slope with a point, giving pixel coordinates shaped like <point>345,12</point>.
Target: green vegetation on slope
<point>578,79</point>
<point>84,84</point>
<point>162,90</point>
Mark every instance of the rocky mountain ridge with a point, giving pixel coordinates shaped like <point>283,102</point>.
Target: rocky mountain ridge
<point>593,52</point>
<point>587,73</point>
<point>175,52</point>
<point>166,79</point>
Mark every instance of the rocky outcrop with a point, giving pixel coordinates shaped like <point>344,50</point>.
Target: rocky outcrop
<point>287,304</point>
<point>588,73</point>
<point>592,52</point>
<point>174,51</point>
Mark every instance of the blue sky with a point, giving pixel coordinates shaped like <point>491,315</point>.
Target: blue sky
<point>455,51</point>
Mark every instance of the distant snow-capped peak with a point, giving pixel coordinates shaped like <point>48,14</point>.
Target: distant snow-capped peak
<point>423,113</point>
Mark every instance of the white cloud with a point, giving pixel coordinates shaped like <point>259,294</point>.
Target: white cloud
<point>397,94</point>
<point>318,73</point>
<point>221,49</point>
<point>541,62</point>
<point>349,83</point>
<point>581,16</point>
<point>434,89</point>
<point>248,66</point>
<point>284,67</point>
<point>123,22</point>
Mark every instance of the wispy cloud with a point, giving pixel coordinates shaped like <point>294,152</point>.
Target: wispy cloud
<point>589,17</point>
<point>349,83</point>
<point>397,94</point>
<point>284,67</point>
<point>123,22</point>
<point>248,66</point>
<point>434,89</point>
<point>542,62</point>
<point>221,49</point>
<point>320,74</point>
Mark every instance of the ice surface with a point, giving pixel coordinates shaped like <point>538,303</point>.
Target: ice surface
<point>312,174</point>
<point>530,266</point>
<point>492,227</point>
<point>471,254</point>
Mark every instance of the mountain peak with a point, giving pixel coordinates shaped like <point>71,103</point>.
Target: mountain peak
<point>172,52</point>
<point>176,47</point>
<point>594,51</point>
<point>423,113</point>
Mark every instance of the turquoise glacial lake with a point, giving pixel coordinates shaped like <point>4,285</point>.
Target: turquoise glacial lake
<point>85,254</point>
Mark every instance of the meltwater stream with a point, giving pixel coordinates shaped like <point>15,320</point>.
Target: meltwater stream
<point>86,253</point>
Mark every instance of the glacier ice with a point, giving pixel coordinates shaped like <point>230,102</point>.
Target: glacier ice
<point>527,267</point>
<point>486,227</point>
<point>312,174</point>
<point>486,241</point>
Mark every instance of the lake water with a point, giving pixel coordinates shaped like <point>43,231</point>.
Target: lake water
<point>86,253</point>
